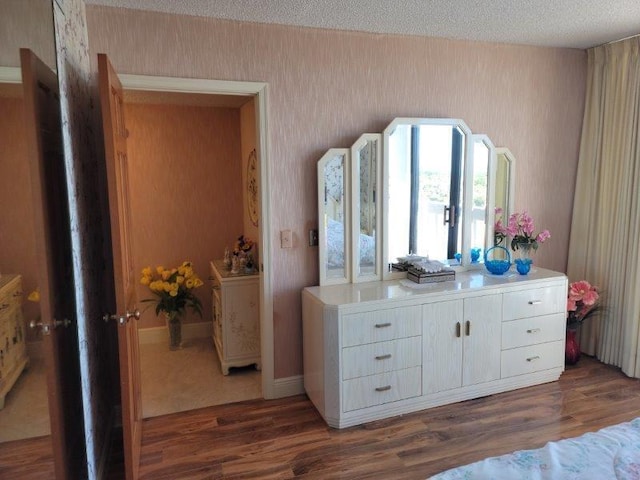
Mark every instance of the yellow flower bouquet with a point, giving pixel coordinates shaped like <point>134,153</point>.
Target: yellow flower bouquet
<point>173,289</point>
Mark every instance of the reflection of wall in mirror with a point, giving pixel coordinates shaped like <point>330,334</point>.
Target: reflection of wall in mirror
<point>334,188</point>
<point>368,163</point>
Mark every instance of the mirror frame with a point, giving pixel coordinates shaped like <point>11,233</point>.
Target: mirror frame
<point>356,276</point>
<point>388,274</point>
<point>322,217</point>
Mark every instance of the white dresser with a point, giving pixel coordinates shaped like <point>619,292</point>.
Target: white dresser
<point>236,317</point>
<point>13,352</point>
<point>379,349</point>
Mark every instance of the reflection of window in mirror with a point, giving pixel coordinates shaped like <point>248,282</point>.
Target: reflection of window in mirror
<point>425,190</point>
<point>479,200</point>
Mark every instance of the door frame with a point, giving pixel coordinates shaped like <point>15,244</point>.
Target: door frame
<point>259,91</point>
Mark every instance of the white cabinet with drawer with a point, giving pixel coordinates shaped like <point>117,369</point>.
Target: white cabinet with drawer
<point>374,350</point>
<point>236,317</point>
<point>13,352</point>
<point>533,331</point>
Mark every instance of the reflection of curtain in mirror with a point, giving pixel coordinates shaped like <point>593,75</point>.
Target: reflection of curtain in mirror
<point>502,182</point>
<point>399,196</point>
<point>604,248</point>
<point>334,188</point>
<point>367,188</point>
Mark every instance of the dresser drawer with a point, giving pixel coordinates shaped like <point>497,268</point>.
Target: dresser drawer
<point>388,387</point>
<point>374,358</point>
<point>531,303</point>
<point>533,330</point>
<point>519,361</point>
<point>381,325</point>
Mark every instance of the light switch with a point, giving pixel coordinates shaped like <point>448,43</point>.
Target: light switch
<point>286,240</point>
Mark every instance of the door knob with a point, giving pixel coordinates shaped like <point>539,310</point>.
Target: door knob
<point>122,319</point>
<point>46,327</point>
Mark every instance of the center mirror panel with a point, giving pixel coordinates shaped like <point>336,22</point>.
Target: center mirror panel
<point>424,170</point>
<point>334,193</point>
<point>366,218</point>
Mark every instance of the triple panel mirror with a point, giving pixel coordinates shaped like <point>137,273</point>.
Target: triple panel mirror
<point>440,185</point>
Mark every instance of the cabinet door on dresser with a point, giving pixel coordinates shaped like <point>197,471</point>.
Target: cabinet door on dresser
<point>441,346</point>
<point>461,342</point>
<point>482,339</point>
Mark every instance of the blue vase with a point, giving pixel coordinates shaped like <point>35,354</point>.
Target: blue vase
<point>524,260</point>
<point>523,265</point>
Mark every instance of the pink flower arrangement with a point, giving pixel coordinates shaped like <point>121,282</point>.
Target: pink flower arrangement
<point>520,228</point>
<point>582,302</point>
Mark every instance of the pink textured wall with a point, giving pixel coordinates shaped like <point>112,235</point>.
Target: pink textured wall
<point>26,24</point>
<point>327,87</point>
<point>186,195</point>
<point>18,252</point>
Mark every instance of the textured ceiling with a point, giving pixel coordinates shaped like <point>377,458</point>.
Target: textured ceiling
<point>552,23</point>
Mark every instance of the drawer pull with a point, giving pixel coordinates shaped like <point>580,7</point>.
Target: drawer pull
<point>535,302</point>
<point>533,359</point>
<point>383,357</point>
<point>383,389</point>
<point>383,325</point>
<point>533,330</point>
<point>458,329</point>
<point>467,328</point>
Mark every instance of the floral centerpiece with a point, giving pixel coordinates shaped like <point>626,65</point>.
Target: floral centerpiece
<point>582,302</point>
<point>173,290</point>
<point>520,228</point>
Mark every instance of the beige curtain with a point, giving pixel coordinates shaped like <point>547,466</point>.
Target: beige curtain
<point>604,247</point>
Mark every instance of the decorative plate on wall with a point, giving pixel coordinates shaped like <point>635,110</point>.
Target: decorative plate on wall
<point>252,187</point>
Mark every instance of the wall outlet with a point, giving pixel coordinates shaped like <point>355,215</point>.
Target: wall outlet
<point>313,238</point>
<point>286,239</point>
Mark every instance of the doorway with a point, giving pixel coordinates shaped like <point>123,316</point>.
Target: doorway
<point>196,112</point>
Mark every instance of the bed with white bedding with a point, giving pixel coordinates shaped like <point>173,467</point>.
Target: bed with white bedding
<point>612,453</point>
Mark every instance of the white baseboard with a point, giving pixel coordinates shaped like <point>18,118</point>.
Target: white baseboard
<point>289,386</point>
<point>190,331</point>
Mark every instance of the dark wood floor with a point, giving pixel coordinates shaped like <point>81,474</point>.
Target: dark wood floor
<point>286,438</point>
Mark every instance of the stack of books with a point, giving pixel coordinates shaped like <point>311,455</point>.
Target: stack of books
<point>420,276</point>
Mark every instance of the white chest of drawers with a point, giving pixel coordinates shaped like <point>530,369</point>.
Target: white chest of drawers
<point>236,317</point>
<point>380,349</point>
<point>13,352</point>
